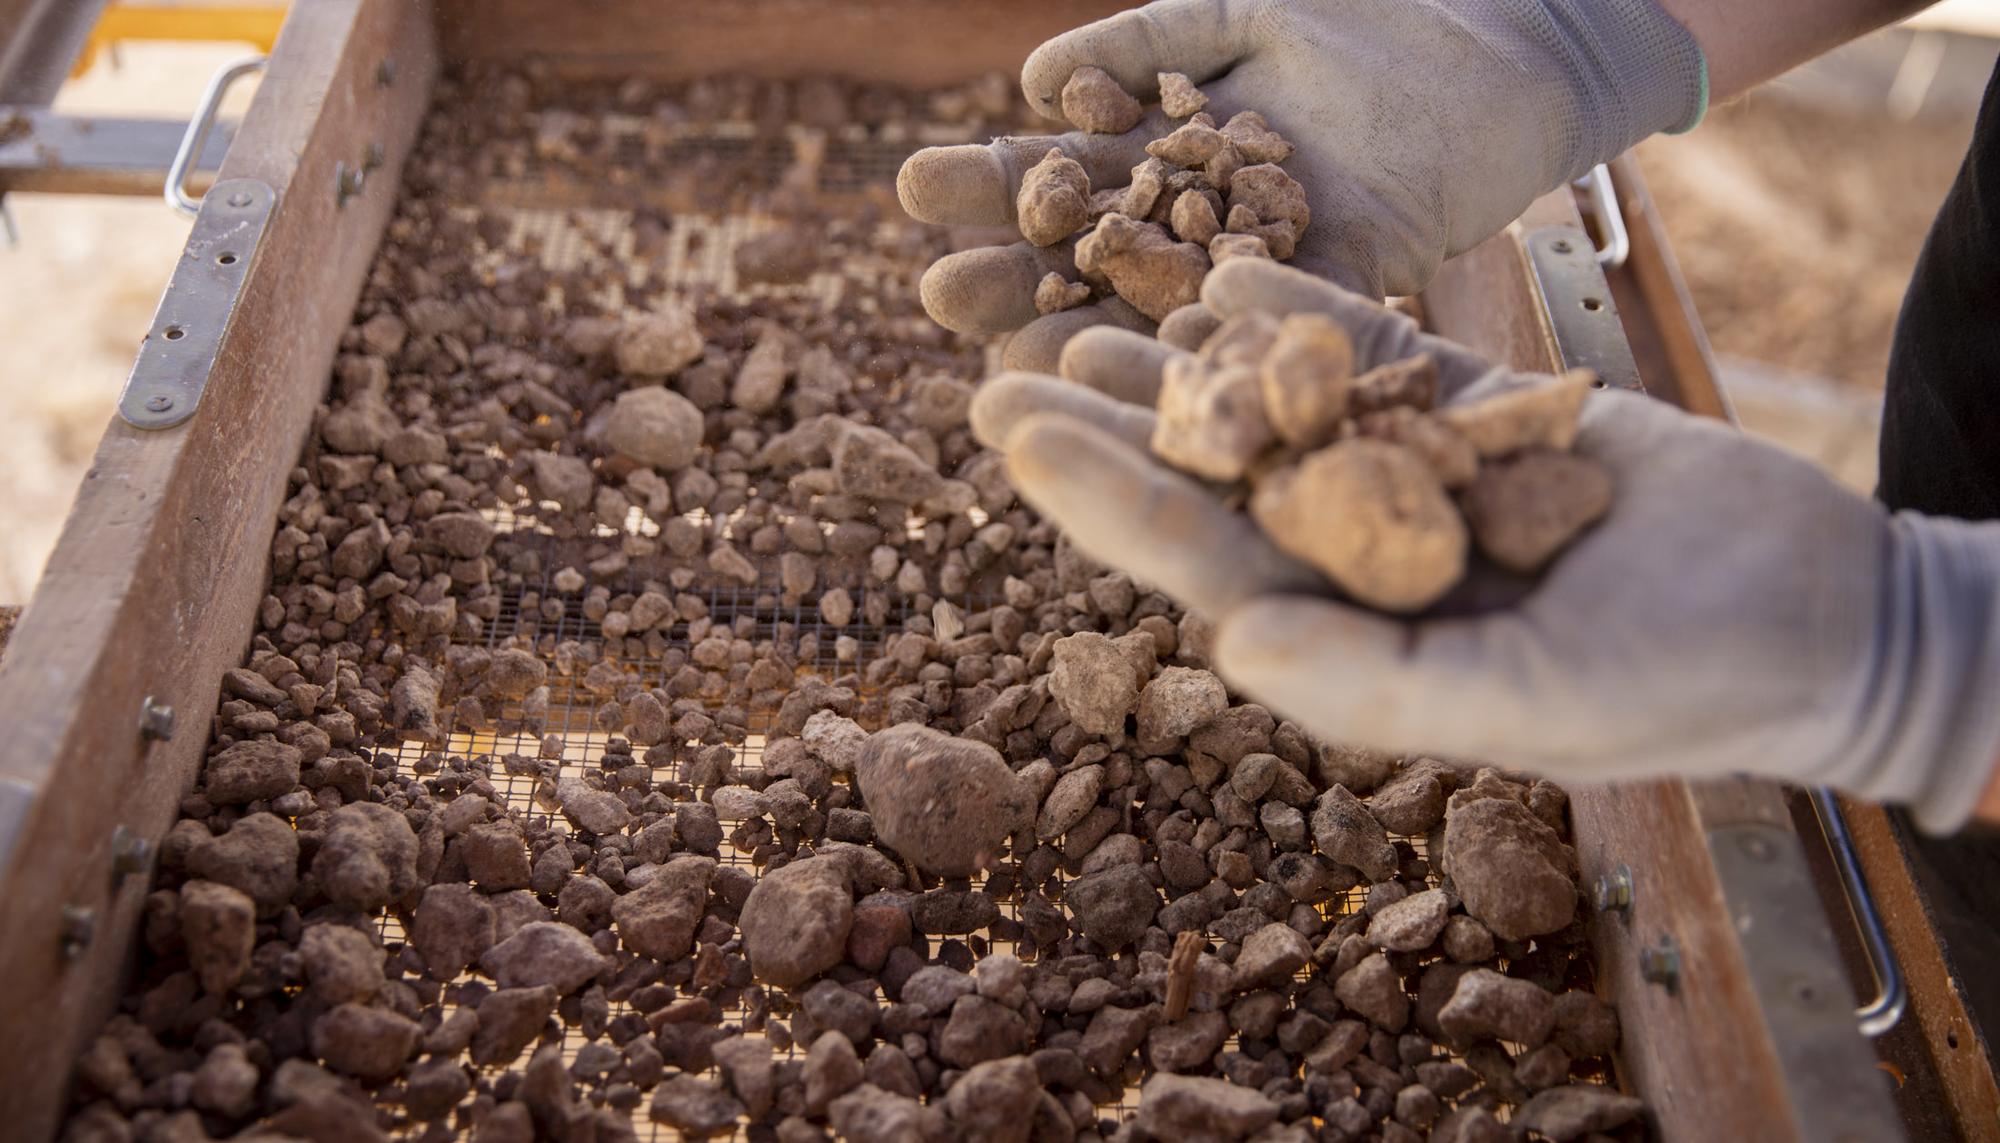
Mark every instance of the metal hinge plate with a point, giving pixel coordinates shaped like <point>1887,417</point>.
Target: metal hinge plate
<point>1582,315</point>
<point>1801,986</point>
<point>180,350</point>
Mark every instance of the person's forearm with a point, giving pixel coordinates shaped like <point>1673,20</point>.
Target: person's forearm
<point>1748,42</point>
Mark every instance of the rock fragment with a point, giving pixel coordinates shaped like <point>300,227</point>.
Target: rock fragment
<point>543,953</point>
<point>1211,422</point>
<point>1539,415</point>
<point>1144,263</point>
<point>796,921</point>
<point>1179,98</point>
<point>1525,509</point>
<point>220,926</point>
<point>659,919</point>
<point>1512,871</point>
<point>659,344</point>
<point>1094,102</point>
<point>1402,543</point>
<point>1175,1107</point>
<point>251,771</point>
<point>656,426</point>
<point>1054,201</point>
<point>948,804</point>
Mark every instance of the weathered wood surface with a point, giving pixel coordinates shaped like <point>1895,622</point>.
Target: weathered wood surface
<point>154,583</point>
<point>915,42</point>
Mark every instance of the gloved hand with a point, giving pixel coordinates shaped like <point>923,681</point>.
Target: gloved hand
<point>1422,127</point>
<point>1736,611</point>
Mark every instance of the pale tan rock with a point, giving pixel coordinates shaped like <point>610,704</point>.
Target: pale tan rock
<point>1306,377</point>
<point>1054,202</point>
<point>1279,236</point>
<point>1255,139</point>
<point>656,426</point>
<point>1444,448</point>
<point>1410,382</point>
<point>1095,103</point>
<point>1526,509</point>
<point>1274,195</point>
<point>1179,97</point>
<point>1223,247</point>
<point>1190,145</point>
<point>1373,517</point>
<point>1243,339</point>
<point>658,344</point>
<point>1142,192</point>
<point>1055,294</point>
<point>1194,218</point>
<point>1221,167</point>
<point>1211,421</point>
<point>1144,264</point>
<point>1541,415</point>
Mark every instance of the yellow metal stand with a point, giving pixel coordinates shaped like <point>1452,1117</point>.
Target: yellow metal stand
<point>248,23</point>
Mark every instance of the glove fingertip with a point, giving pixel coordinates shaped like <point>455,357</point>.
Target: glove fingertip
<point>965,184</point>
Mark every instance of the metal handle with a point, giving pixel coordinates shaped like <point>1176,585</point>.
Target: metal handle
<point>1880,1014</point>
<point>197,132</point>
<point>1610,219</point>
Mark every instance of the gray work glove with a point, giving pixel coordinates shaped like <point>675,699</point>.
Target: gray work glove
<point>1736,611</point>
<point>1422,127</point>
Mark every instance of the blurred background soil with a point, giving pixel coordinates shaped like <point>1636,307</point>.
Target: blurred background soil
<point>1797,214</point>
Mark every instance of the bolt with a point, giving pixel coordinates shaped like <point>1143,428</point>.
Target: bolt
<point>347,182</point>
<point>79,924</point>
<point>385,72</point>
<point>159,403</point>
<point>156,719</point>
<point>1661,964</point>
<point>1560,246</point>
<point>240,198</point>
<point>377,155</point>
<point>130,853</point>
<point>1613,891</point>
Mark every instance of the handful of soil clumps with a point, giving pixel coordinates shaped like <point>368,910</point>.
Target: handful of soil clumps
<point>1208,192</point>
<point>1366,478</point>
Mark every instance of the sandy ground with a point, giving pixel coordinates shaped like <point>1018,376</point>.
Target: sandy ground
<point>1797,220</point>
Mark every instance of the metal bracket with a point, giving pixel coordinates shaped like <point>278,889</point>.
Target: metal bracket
<point>1582,315</point>
<point>1801,985</point>
<point>200,302</point>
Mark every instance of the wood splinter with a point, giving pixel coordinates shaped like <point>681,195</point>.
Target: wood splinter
<point>1180,973</point>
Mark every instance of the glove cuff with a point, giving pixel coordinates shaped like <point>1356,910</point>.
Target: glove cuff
<point>1929,733</point>
<point>1635,70</point>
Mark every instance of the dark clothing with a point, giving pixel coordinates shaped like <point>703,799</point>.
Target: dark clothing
<point>1940,451</point>
<point>1940,455</point>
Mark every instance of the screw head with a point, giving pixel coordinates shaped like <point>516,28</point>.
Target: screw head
<point>130,853</point>
<point>159,403</point>
<point>1661,964</point>
<point>156,719</point>
<point>347,182</point>
<point>1612,891</point>
<point>239,198</point>
<point>79,925</point>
